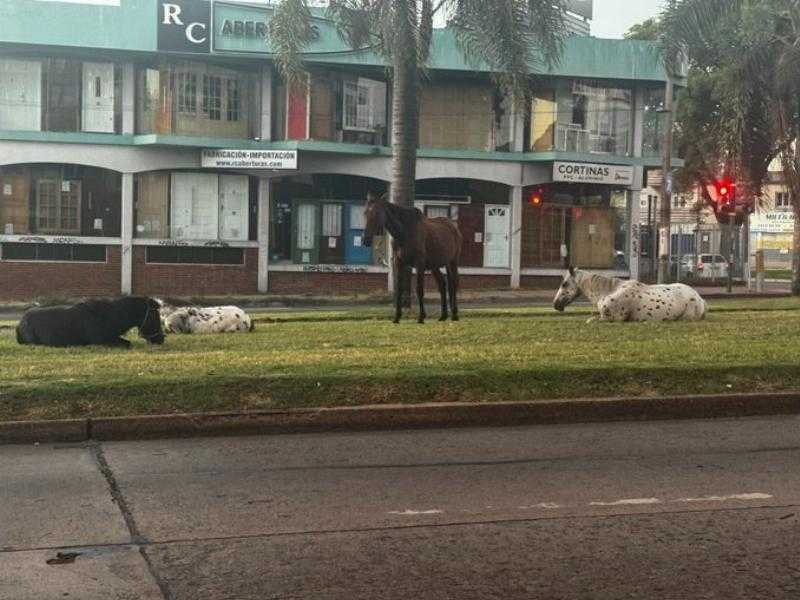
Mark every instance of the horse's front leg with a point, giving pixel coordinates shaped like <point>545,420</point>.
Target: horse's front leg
<point>400,280</point>
<point>440,281</point>
<point>421,293</point>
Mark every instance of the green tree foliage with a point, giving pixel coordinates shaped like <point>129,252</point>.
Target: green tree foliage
<point>741,108</point>
<point>649,30</point>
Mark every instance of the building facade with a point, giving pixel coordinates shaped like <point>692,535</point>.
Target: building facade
<point>150,147</point>
<point>772,224</point>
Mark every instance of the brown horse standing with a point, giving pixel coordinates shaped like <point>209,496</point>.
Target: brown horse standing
<point>419,243</point>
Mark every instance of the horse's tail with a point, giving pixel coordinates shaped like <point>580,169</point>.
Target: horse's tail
<point>252,325</point>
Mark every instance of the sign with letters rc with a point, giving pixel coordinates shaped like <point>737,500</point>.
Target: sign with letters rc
<point>184,26</point>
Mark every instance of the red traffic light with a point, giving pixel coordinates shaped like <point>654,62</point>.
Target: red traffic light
<point>726,191</point>
<point>536,197</point>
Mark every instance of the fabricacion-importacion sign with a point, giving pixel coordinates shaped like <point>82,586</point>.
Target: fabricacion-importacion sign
<point>249,159</point>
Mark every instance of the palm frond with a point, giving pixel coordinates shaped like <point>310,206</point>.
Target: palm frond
<point>291,32</point>
<point>512,37</point>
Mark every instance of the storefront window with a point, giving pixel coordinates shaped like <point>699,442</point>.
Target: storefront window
<point>60,200</point>
<point>586,226</point>
<point>331,107</point>
<point>589,118</point>
<point>56,94</point>
<point>193,206</point>
<point>195,99</point>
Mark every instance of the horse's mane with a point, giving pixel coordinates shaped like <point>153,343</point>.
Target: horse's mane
<point>400,220</point>
<point>595,286</point>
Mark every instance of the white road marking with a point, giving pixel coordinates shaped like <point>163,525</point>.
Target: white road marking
<point>413,513</point>
<point>547,505</point>
<point>753,496</point>
<point>627,501</point>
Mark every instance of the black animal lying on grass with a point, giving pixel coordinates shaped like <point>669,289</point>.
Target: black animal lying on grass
<point>93,322</point>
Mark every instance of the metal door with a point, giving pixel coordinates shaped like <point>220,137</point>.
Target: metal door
<point>306,250</point>
<point>356,253</point>
<point>98,97</point>
<point>233,203</point>
<point>496,251</point>
<point>195,214</point>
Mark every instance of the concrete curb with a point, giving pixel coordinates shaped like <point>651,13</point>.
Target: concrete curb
<point>389,417</point>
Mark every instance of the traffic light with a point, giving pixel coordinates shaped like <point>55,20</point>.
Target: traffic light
<point>726,194</point>
<point>536,197</point>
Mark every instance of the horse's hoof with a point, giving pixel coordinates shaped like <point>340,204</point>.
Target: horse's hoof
<point>396,321</point>
<point>455,317</point>
<point>443,318</point>
<point>421,321</point>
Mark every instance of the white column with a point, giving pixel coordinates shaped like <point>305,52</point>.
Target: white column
<point>126,248</point>
<point>516,236</point>
<point>517,128</point>
<point>265,130</point>
<point>263,234</point>
<point>128,98</point>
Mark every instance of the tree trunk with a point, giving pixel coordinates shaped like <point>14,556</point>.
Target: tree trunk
<point>405,116</point>
<point>405,105</point>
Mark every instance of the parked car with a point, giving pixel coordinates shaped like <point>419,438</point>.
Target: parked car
<point>712,266</point>
<point>707,266</point>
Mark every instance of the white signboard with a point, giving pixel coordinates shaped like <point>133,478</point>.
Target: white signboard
<point>772,222</point>
<point>249,159</point>
<point>575,172</point>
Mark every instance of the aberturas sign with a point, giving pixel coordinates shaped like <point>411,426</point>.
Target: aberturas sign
<point>249,159</point>
<point>573,172</point>
<point>184,26</point>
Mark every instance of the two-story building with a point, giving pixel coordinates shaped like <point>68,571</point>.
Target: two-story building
<point>150,147</point>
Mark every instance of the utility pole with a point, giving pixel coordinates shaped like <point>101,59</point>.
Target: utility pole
<point>666,185</point>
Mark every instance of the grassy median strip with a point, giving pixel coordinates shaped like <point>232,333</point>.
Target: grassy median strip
<point>338,359</point>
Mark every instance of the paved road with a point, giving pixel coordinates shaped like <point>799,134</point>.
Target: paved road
<point>696,509</point>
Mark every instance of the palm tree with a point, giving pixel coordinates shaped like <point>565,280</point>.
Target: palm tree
<point>743,94</point>
<point>512,37</point>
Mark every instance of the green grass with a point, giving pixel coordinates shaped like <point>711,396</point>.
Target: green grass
<point>785,274</point>
<point>359,357</point>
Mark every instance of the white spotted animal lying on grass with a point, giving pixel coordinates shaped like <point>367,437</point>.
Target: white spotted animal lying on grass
<point>211,319</point>
<point>622,300</point>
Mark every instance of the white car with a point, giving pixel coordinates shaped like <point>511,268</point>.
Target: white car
<point>712,266</point>
<point>708,266</point>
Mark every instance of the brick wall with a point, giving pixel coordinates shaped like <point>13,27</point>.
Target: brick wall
<point>540,282</point>
<point>343,284</point>
<point>333,284</point>
<point>27,281</point>
<point>194,280</point>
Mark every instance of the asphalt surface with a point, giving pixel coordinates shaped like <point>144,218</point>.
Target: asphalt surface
<point>685,509</point>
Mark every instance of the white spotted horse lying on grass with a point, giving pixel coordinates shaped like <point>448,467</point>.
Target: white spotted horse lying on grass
<point>92,322</point>
<point>622,300</point>
<point>211,319</point>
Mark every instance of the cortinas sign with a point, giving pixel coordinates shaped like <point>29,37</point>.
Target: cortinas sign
<point>592,173</point>
<point>184,26</point>
<point>249,159</point>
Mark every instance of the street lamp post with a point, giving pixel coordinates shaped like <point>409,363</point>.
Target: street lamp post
<point>666,185</point>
